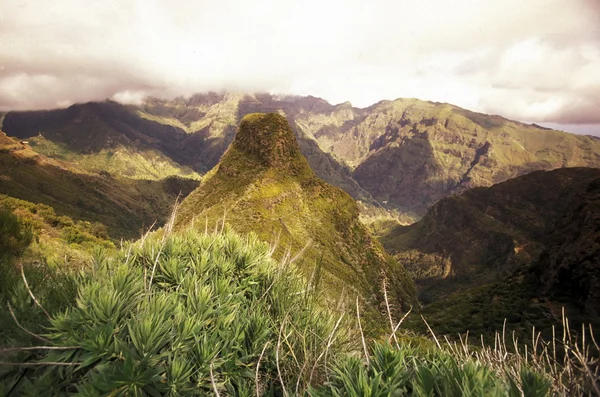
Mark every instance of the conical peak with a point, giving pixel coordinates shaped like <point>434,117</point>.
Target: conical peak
<point>268,137</point>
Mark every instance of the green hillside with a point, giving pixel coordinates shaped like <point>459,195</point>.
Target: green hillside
<point>264,185</point>
<point>106,137</point>
<point>520,250</point>
<point>124,205</point>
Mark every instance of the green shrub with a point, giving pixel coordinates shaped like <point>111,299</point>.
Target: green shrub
<point>14,237</point>
<point>185,315</point>
<point>52,287</point>
<point>408,371</point>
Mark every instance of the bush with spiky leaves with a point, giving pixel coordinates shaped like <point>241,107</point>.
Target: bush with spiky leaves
<point>187,314</point>
<point>408,371</point>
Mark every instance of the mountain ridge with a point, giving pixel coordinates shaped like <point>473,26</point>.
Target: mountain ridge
<point>124,205</point>
<point>398,156</point>
<point>264,185</point>
<point>520,249</point>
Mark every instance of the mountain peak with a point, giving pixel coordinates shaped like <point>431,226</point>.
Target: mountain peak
<point>265,186</point>
<point>269,138</point>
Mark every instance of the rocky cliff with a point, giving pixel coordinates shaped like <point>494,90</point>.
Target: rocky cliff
<point>402,155</point>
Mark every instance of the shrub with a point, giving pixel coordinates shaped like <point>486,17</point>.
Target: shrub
<point>53,288</point>
<point>187,314</point>
<point>14,237</point>
<point>407,371</point>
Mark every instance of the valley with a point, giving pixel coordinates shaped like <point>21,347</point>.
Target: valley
<point>516,250</point>
<point>397,156</point>
<point>475,222</point>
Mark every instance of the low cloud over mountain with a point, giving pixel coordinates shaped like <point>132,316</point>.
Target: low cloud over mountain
<point>537,61</point>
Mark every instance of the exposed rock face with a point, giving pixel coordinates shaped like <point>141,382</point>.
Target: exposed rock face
<point>268,138</point>
<point>264,185</point>
<point>405,154</point>
<point>428,151</point>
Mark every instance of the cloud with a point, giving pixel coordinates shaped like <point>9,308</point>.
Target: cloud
<point>537,60</point>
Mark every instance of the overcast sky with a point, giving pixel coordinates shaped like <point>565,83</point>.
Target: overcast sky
<point>534,61</point>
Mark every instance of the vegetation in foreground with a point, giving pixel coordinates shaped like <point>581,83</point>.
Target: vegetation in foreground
<point>194,313</point>
<point>185,314</point>
<point>47,249</point>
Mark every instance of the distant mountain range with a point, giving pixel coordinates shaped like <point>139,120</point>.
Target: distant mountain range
<point>498,235</point>
<point>402,155</point>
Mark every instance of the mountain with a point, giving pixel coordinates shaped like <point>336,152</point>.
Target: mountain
<point>531,241</point>
<point>153,141</point>
<point>409,153</point>
<point>263,184</point>
<point>105,137</point>
<point>400,156</point>
<point>122,204</point>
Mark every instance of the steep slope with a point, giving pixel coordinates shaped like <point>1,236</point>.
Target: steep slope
<point>213,119</point>
<point>105,137</point>
<point>57,240</point>
<point>569,267</point>
<point>263,184</point>
<point>530,244</point>
<point>160,138</point>
<point>406,154</point>
<point>402,155</point>
<point>123,205</point>
<point>419,152</point>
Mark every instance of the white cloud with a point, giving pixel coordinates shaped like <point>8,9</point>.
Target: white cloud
<point>537,60</point>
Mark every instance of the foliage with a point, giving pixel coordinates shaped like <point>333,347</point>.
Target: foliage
<point>407,371</point>
<point>14,237</point>
<point>484,309</point>
<point>33,238</point>
<point>187,314</point>
<point>58,238</point>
